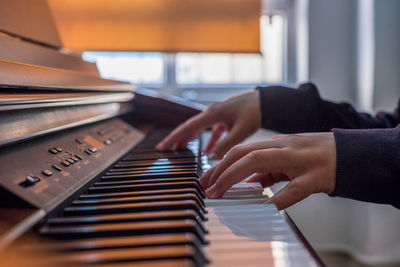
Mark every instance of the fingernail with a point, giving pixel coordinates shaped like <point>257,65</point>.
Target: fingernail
<point>203,185</point>
<point>201,181</point>
<point>174,146</point>
<point>160,145</point>
<point>211,192</point>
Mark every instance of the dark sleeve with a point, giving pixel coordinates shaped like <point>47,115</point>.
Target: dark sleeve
<point>368,160</point>
<point>289,110</point>
<point>368,165</point>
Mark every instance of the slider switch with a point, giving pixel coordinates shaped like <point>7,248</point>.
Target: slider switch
<point>29,181</point>
<point>47,172</point>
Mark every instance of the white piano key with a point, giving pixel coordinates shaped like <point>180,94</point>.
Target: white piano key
<point>253,235</point>
<point>240,194</point>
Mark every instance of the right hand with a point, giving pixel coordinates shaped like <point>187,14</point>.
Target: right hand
<point>239,115</point>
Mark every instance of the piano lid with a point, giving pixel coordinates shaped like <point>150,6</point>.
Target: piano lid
<point>16,75</point>
<point>29,20</point>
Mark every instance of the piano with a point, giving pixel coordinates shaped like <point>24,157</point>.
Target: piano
<point>82,185</point>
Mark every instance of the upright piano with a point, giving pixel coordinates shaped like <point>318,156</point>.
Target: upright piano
<point>82,185</point>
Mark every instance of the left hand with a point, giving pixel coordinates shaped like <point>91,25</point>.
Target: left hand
<point>307,161</point>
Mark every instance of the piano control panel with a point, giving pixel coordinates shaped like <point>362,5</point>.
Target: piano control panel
<point>45,171</point>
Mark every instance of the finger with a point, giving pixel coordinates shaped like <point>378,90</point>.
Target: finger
<point>267,179</point>
<point>264,179</point>
<point>235,135</point>
<point>238,152</point>
<point>186,131</point>
<point>293,192</point>
<point>257,177</point>
<point>217,131</point>
<point>203,180</point>
<point>259,161</point>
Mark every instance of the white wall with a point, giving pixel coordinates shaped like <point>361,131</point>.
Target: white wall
<point>331,51</point>
<point>387,54</point>
<point>370,232</point>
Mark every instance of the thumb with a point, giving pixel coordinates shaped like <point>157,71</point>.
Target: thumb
<point>217,131</point>
<point>292,193</point>
<point>236,135</point>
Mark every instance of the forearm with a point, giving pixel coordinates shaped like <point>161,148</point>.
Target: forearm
<point>368,165</point>
<point>290,110</point>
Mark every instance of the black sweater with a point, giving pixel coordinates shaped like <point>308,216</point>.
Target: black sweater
<point>367,147</point>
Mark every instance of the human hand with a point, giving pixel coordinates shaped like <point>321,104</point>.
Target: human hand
<point>239,115</point>
<point>307,161</point>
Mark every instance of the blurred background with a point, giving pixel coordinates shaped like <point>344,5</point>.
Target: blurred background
<point>349,48</point>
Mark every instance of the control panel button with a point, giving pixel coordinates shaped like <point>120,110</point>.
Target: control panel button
<point>47,172</point>
<point>56,168</point>
<point>93,149</point>
<point>29,181</point>
<point>53,151</point>
<point>78,157</point>
<point>79,141</point>
<point>59,149</point>
<point>105,131</point>
<point>71,161</point>
<point>65,163</point>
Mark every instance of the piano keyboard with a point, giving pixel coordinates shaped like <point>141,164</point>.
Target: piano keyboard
<point>148,209</point>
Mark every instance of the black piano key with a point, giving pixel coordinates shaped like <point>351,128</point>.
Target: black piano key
<point>191,150</point>
<point>148,143</point>
<point>149,176</point>
<point>157,162</point>
<point>108,201</point>
<point>162,154</point>
<point>160,170</point>
<point>115,243</point>
<point>81,226</point>
<point>152,263</point>
<point>135,207</point>
<point>166,167</point>
<point>148,186</point>
<point>145,257</point>
<point>125,229</point>
<point>148,171</point>
<point>193,158</point>
<point>141,193</point>
<point>125,217</point>
<point>132,181</point>
<point>152,145</point>
<point>132,171</point>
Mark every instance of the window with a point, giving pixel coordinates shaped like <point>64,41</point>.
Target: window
<point>201,68</point>
<point>133,67</point>
<point>185,74</point>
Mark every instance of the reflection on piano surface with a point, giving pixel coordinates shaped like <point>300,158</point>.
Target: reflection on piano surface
<point>81,183</point>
